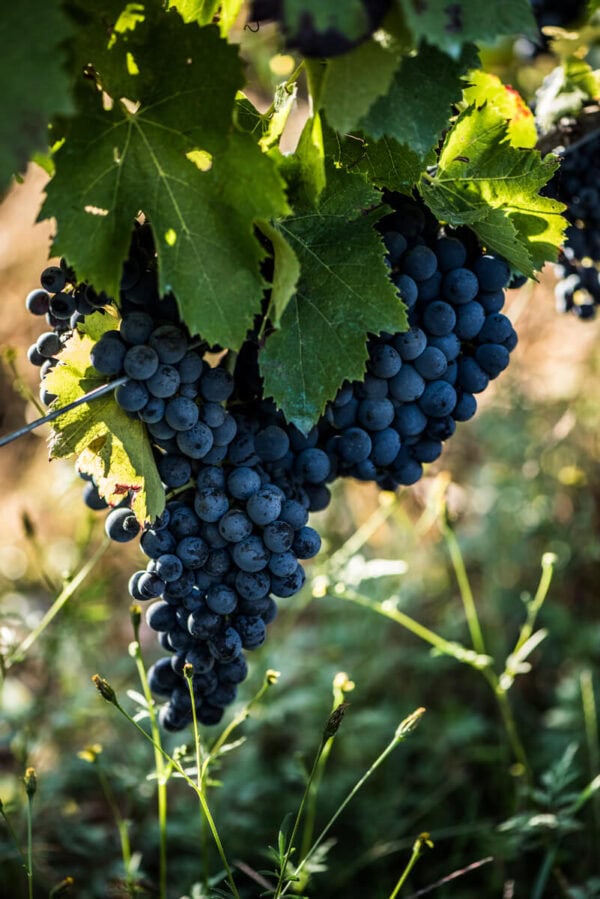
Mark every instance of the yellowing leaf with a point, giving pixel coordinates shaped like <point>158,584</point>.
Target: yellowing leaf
<point>485,87</point>
<point>108,444</point>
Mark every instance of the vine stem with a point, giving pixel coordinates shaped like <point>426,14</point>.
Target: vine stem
<point>57,413</point>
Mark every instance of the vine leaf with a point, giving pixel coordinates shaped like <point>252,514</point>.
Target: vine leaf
<point>484,182</point>
<point>110,446</point>
<point>354,80</point>
<point>416,108</point>
<point>450,26</point>
<point>175,156</point>
<point>343,294</point>
<point>35,85</point>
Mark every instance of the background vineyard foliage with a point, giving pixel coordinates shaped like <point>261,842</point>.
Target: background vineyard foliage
<point>524,482</point>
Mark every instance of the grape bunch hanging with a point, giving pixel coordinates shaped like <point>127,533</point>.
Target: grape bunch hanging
<point>577,185</point>
<point>240,480</point>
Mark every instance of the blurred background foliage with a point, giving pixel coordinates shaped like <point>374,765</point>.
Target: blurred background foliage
<point>522,479</point>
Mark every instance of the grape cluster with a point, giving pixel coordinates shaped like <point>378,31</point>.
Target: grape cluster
<point>240,480</point>
<point>314,41</point>
<point>577,185</point>
<point>420,383</point>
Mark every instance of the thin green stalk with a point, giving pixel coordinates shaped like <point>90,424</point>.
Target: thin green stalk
<point>188,671</point>
<point>30,781</point>
<point>280,890</point>
<point>341,686</point>
<point>533,608</point>
<point>464,586</point>
<point>107,692</point>
<point>404,729</point>
<point>29,849</point>
<point>468,656</point>
<point>539,888</point>
<point>421,843</point>
<point>159,762</point>
<point>510,725</point>
<point>271,677</point>
<point>65,594</point>
<point>19,385</point>
<point>311,802</point>
<point>14,837</point>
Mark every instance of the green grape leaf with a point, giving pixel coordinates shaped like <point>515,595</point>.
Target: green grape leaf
<point>35,84</point>
<point>565,91</point>
<point>110,445</point>
<point>416,109</point>
<point>385,162</point>
<point>354,80</point>
<point>484,87</point>
<point>450,26</point>
<point>344,293</point>
<point>348,18</point>
<point>174,156</point>
<point>484,182</point>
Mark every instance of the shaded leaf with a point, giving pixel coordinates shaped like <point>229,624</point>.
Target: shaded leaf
<point>35,85</point>
<point>416,108</point>
<point>343,294</point>
<point>385,162</point>
<point>354,80</point>
<point>450,26</point>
